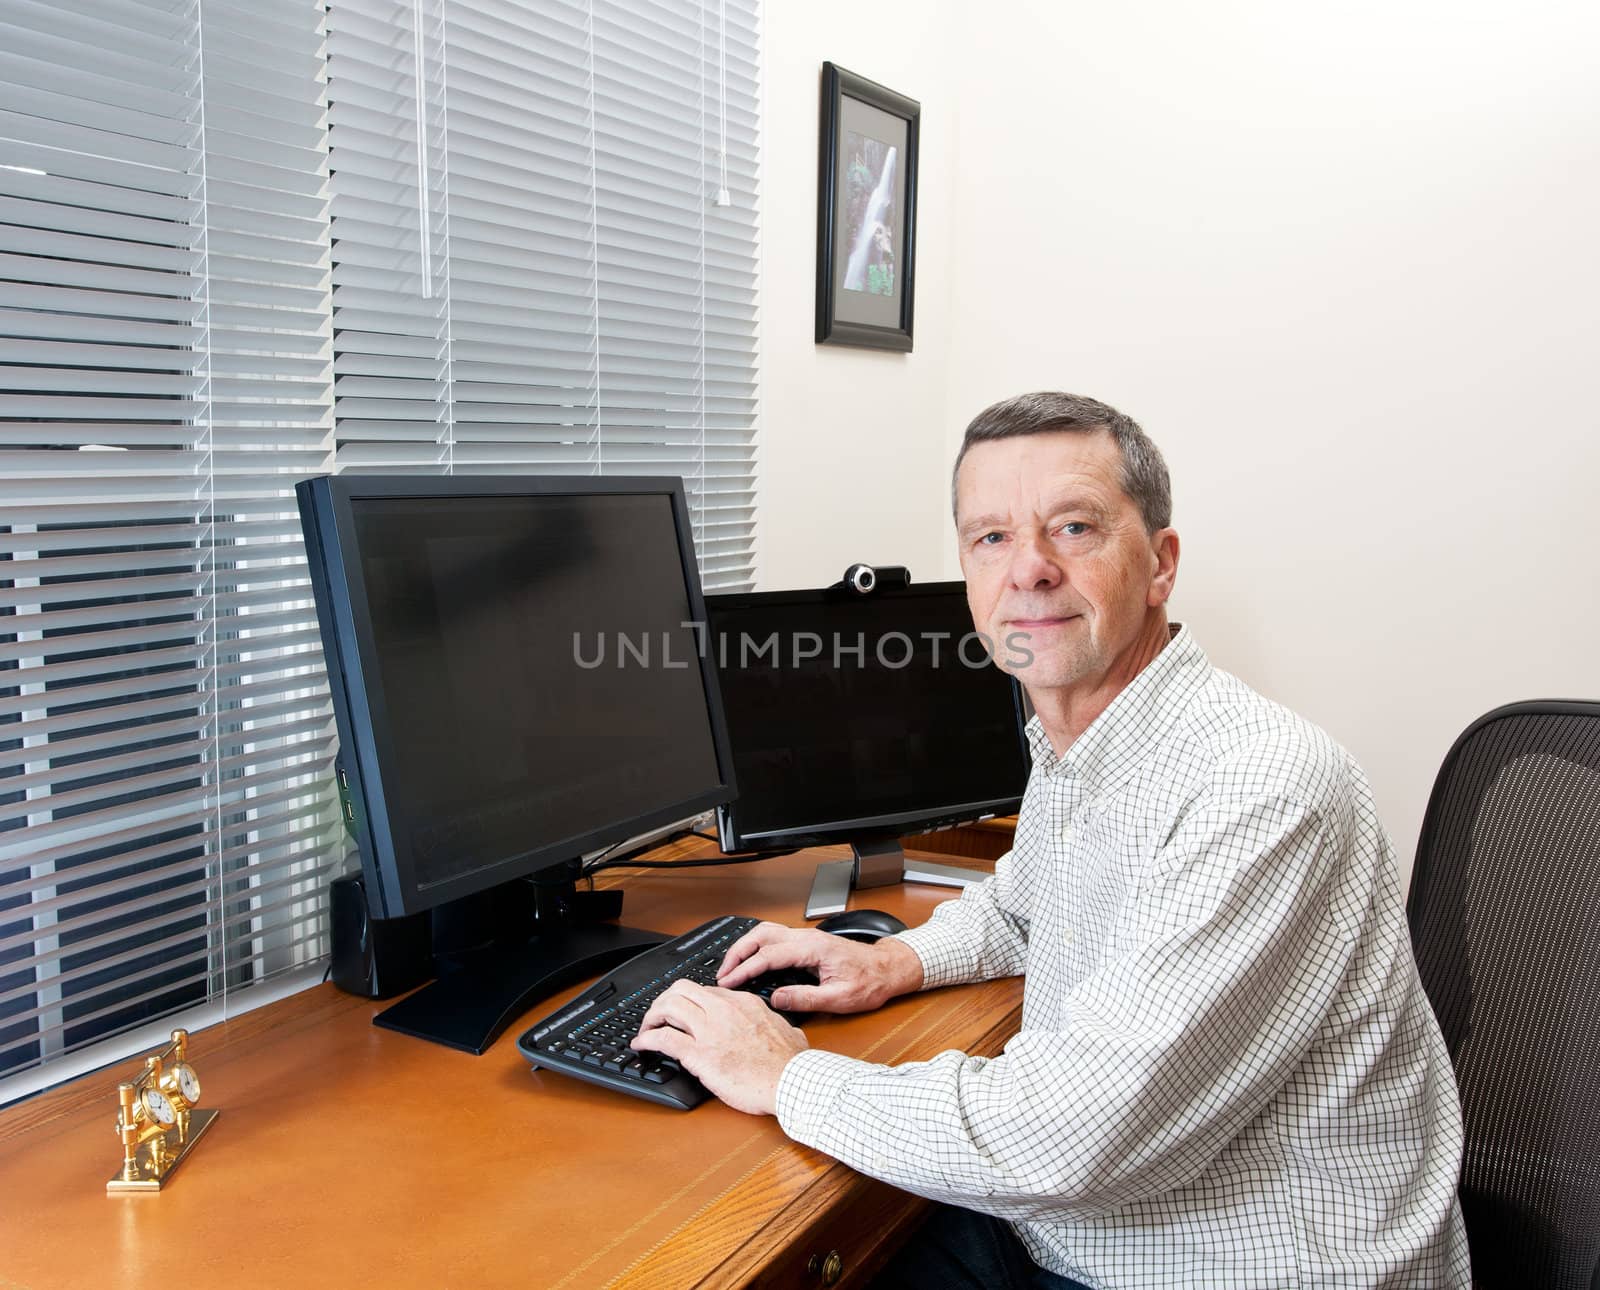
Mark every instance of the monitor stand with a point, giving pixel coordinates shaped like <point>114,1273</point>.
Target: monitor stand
<point>877,863</point>
<point>491,970</point>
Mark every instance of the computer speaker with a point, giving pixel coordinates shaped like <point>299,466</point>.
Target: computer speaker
<point>376,957</point>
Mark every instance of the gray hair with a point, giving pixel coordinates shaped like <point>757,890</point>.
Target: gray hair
<point>1144,472</point>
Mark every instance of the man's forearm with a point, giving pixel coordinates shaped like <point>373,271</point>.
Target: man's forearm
<point>972,938</point>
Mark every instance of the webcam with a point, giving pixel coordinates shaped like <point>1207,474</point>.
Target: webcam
<point>864,579</point>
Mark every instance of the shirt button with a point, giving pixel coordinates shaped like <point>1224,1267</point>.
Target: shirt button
<point>1066,937</point>
<point>1066,833</point>
<point>881,1164</point>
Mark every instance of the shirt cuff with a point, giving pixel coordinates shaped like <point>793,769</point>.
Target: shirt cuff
<point>809,1089</point>
<point>946,960</point>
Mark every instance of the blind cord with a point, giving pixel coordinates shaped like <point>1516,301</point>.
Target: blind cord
<point>724,198</point>
<point>425,233</point>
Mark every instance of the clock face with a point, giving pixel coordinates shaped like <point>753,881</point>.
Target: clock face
<point>159,1107</point>
<point>188,1082</point>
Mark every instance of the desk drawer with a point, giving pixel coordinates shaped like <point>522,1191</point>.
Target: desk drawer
<point>846,1245</point>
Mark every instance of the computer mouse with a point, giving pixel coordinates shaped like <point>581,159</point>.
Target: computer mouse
<point>864,925</point>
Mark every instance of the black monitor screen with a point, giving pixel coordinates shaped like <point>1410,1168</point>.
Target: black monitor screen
<point>846,712</point>
<point>531,672</point>
<point>516,673</point>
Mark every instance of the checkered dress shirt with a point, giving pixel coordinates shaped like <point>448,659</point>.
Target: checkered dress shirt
<point>1228,1074</point>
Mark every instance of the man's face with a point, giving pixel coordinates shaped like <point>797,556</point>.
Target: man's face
<point>1055,552</point>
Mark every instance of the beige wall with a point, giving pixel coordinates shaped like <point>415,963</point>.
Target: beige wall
<point>852,440</point>
<point>1341,264</point>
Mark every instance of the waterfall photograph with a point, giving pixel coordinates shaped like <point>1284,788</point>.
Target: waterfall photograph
<point>869,215</point>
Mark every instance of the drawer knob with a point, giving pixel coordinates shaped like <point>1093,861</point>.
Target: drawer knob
<point>829,1268</point>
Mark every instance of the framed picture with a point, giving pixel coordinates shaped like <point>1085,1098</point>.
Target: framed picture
<point>866,212</point>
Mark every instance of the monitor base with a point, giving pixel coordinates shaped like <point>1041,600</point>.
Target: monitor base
<point>877,864</point>
<point>472,1002</point>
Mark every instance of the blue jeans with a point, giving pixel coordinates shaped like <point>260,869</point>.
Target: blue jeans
<point>958,1249</point>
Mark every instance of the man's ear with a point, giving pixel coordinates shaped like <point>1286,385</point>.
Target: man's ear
<point>1164,548</point>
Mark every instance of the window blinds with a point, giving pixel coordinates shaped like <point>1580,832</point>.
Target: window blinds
<point>165,356</point>
<point>518,264</point>
<point>530,268</point>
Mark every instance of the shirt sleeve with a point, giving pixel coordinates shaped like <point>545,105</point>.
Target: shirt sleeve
<point>1161,1055</point>
<point>981,935</point>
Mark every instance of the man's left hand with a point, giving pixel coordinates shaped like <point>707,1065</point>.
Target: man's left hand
<point>727,1039</point>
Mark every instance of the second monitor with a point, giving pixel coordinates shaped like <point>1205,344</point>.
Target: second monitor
<point>859,718</point>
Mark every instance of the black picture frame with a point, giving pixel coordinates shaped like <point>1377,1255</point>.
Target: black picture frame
<point>866,213</point>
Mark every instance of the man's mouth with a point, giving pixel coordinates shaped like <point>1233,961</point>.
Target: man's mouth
<point>1040,624</point>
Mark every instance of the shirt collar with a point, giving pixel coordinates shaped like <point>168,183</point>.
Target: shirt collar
<point>1134,723</point>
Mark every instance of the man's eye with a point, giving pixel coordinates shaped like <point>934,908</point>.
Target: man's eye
<point>991,539</point>
<point>1075,528</point>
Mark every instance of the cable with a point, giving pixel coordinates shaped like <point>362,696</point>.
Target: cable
<point>678,864</point>
<point>687,864</point>
<point>600,862</point>
<point>596,862</point>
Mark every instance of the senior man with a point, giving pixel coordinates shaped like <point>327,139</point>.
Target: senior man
<point>1228,1073</point>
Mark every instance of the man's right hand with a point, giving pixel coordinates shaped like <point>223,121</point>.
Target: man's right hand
<point>851,977</point>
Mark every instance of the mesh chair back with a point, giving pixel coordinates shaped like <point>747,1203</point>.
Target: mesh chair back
<point>1503,918</point>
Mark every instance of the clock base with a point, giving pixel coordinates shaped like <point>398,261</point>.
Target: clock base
<point>174,1153</point>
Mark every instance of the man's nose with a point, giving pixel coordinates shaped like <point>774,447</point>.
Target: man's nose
<point>1033,567</point>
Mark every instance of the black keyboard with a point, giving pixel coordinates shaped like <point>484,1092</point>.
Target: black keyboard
<point>589,1037</point>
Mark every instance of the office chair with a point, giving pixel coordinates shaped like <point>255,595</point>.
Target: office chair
<point>1503,913</point>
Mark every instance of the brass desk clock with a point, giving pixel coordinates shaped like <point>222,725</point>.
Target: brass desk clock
<point>156,1119</point>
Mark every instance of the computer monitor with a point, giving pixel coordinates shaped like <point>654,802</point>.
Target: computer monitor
<point>860,718</point>
<point>517,683</point>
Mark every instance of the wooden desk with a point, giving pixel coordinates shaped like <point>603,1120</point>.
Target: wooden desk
<point>980,840</point>
<point>350,1156</point>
